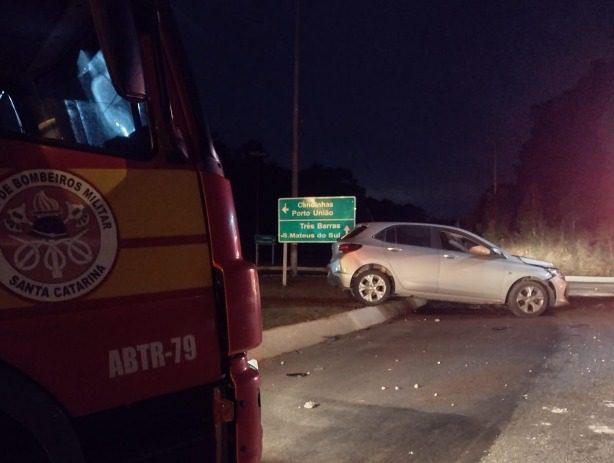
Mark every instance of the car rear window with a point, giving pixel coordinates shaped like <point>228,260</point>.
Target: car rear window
<point>414,236</point>
<point>357,231</point>
<point>389,235</point>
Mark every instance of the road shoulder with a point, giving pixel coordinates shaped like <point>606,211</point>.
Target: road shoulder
<point>289,338</point>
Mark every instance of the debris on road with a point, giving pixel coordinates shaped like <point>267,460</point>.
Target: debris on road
<point>311,404</point>
<point>601,429</point>
<point>555,410</point>
<point>301,374</point>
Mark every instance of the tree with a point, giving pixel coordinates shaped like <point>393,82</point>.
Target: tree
<point>258,182</point>
<point>318,180</point>
<point>566,157</point>
<point>495,213</point>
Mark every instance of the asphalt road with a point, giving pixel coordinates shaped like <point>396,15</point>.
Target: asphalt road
<point>449,384</point>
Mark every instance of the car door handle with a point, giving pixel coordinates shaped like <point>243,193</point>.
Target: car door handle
<point>448,256</point>
<point>394,249</point>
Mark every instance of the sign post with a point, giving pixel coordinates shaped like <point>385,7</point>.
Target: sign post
<point>314,220</point>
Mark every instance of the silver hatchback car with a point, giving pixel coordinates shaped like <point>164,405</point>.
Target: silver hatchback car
<point>436,262</point>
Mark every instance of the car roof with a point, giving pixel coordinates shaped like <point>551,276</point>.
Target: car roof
<point>418,224</point>
<point>376,226</point>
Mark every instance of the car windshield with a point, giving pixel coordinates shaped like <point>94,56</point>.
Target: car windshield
<point>489,244</point>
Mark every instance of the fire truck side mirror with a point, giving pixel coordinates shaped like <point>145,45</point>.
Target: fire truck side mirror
<point>115,26</point>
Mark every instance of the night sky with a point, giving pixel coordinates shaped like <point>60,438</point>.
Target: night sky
<point>412,97</point>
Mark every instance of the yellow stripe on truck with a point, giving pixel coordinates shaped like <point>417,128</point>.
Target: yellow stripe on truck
<point>184,267</point>
<point>138,271</point>
<point>150,202</point>
<point>159,218</point>
<point>9,301</point>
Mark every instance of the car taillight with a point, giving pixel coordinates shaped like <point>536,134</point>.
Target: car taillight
<point>344,248</point>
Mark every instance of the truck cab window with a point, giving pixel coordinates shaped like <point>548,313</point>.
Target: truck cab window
<point>8,114</point>
<point>67,96</point>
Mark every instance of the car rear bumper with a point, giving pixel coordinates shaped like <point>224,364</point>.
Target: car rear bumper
<point>336,277</point>
<point>333,279</point>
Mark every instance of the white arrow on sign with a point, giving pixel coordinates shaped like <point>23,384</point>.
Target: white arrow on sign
<point>346,229</point>
<point>285,209</point>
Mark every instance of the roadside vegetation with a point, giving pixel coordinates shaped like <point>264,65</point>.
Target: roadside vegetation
<point>305,298</point>
<point>561,206</point>
<point>585,254</point>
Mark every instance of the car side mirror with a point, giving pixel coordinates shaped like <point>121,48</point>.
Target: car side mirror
<point>480,250</point>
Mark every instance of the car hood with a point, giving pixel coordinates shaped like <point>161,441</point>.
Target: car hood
<point>536,262</point>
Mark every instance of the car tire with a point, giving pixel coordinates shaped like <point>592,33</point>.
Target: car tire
<point>528,298</point>
<point>371,287</point>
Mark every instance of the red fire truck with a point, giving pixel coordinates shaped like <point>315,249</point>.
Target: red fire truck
<point>126,309</point>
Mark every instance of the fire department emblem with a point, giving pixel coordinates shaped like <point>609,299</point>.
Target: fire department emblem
<point>58,236</point>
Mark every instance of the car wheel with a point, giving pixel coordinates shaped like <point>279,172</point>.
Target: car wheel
<point>528,298</point>
<point>371,287</point>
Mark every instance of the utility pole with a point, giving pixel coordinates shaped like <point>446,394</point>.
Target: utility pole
<point>494,186</point>
<point>494,170</point>
<point>295,129</point>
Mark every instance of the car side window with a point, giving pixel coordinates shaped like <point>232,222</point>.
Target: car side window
<point>451,241</point>
<point>414,236</point>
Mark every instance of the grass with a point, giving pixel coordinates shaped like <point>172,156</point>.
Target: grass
<point>574,254</point>
<point>305,298</point>
<point>290,314</point>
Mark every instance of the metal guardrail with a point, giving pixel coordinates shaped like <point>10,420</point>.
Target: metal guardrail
<point>590,286</point>
<point>578,286</point>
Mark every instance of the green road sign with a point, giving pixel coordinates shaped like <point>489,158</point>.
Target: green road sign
<point>315,219</point>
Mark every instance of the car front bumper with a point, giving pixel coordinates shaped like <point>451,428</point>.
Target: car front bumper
<point>559,288</point>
